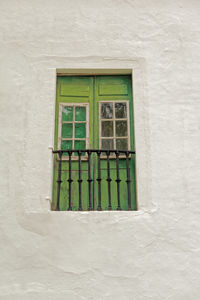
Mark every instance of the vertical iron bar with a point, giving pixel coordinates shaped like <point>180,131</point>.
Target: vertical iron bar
<point>79,180</point>
<point>99,181</point>
<point>59,181</point>
<point>118,181</point>
<point>94,185</point>
<point>89,180</point>
<point>70,180</point>
<point>128,180</point>
<point>108,180</point>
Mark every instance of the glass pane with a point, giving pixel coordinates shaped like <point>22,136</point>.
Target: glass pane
<point>80,130</point>
<point>67,113</point>
<point>65,145</point>
<point>107,144</point>
<point>67,130</point>
<point>106,110</point>
<point>79,145</point>
<point>122,144</point>
<point>107,128</point>
<point>120,110</point>
<point>121,128</point>
<point>80,113</point>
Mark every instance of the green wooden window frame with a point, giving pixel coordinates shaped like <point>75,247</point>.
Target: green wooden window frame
<point>92,92</point>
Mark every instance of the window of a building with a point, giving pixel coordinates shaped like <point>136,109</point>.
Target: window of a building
<point>94,159</point>
<point>114,123</point>
<point>73,127</point>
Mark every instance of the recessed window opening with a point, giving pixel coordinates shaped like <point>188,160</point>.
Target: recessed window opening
<point>94,154</point>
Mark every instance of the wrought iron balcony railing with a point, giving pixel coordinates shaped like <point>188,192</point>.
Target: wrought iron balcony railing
<point>108,155</point>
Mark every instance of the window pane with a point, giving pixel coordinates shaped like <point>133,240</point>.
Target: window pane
<point>65,145</point>
<point>107,128</point>
<point>122,144</point>
<point>120,110</point>
<point>107,144</point>
<point>67,113</point>
<point>121,128</point>
<point>67,130</point>
<point>80,113</point>
<point>80,130</point>
<point>79,145</point>
<point>106,110</point>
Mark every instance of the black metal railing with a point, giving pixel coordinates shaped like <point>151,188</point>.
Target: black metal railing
<point>108,155</point>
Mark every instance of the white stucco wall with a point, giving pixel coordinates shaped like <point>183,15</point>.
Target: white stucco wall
<point>153,253</point>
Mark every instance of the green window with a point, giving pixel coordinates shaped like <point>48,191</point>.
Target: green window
<point>94,112</point>
<point>73,126</point>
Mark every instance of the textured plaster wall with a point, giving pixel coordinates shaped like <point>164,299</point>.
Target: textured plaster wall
<point>150,254</point>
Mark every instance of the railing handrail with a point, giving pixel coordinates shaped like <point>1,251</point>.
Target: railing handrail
<point>94,150</point>
<point>98,179</point>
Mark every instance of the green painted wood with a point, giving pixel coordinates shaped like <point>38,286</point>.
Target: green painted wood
<point>116,88</point>
<point>73,90</point>
<point>113,89</point>
<point>92,89</point>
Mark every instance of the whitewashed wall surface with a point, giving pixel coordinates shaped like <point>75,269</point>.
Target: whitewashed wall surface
<point>149,254</point>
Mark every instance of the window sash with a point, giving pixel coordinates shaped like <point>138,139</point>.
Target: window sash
<point>113,120</point>
<point>73,138</point>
